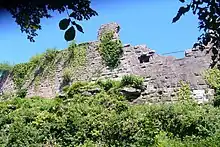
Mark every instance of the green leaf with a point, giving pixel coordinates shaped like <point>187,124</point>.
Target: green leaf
<point>182,10</point>
<point>79,28</point>
<point>64,23</point>
<point>176,18</point>
<point>72,14</point>
<point>70,34</point>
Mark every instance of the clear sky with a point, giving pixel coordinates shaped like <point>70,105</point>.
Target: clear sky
<point>142,22</point>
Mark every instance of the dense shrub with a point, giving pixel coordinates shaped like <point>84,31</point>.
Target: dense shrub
<point>131,80</point>
<point>50,56</point>
<point>108,84</point>
<point>20,71</point>
<point>106,120</point>
<point>67,75</point>
<point>76,54</point>
<point>5,66</point>
<point>21,93</point>
<point>110,50</point>
<point>184,92</point>
<point>212,77</point>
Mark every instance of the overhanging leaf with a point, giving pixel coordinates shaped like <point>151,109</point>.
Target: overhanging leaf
<point>64,23</point>
<point>70,34</point>
<point>176,18</point>
<point>181,11</point>
<point>78,27</point>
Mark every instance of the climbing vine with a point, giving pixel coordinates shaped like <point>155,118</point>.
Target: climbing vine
<point>110,50</point>
<point>184,92</point>
<point>43,65</point>
<point>23,71</point>
<point>212,77</point>
<point>19,73</point>
<point>75,58</point>
<point>5,66</point>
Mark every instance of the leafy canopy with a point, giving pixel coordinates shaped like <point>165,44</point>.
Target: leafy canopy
<point>208,13</point>
<point>29,13</point>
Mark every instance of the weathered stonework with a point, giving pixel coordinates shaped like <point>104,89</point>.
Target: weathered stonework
<point>162,74</point>
<point>114,27</point>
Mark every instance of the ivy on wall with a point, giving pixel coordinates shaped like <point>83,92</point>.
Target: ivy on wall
<point>110,50</point>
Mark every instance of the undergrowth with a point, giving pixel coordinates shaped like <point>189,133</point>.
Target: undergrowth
<point>184,92</point>
<point>5,66</point>
<point>106,119</point>
<point>75,58</point>
<point>212,77</point>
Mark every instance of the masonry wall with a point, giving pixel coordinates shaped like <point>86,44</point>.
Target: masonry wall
<point>161,73</point>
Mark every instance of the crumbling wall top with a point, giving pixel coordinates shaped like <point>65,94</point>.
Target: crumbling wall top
<point>113,26</point>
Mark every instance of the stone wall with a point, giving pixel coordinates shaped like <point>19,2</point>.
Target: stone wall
<point>162,74</point>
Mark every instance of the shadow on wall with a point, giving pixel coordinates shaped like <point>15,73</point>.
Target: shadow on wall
<point>3,77</point>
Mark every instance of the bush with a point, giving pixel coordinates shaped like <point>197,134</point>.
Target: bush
<point>106,120</point>
<point>20,71</point>
<point>212,77</point>
<point>6,66</point>
<point>6,96</point>
<point>133,81</point>
<point>21,93</point>
<point>184,92</point>
<point>110,50</point>
<point>108,84</point>
<point>50,56</point>
<point>75,88</point>
<point>67,75</point>
<point>36,60</point>
<point>216,101</point>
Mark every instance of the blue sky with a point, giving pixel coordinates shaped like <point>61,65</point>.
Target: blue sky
<point>142,22</point>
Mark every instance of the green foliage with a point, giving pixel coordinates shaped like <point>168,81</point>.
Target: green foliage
<point>6,96</point>
<point>50,56</point>
<point>76,54</point>
<point>106,120</point>
<point>184,92</point>
<point>43,65</point>
<point>75,88</point>
<point>133,81</point>
<point>28,15</point>
<point>110,50</point>
<point>21,93</point>
<point>163,140</point>
<point>67,75</point>
<point>64,23</point>
<point>108,84</point>
<point>5,66</point>
<point>19,73</point>
<point>111,87</point>
<point>216,101</point>
<point>70,34</point>
<point>212,77</point>
<point>36,60</point>
<point>74,59</point>
<point>209,17</point>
